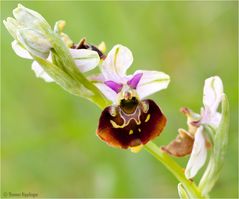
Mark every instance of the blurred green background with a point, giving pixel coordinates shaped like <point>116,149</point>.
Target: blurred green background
<point>49,144</point>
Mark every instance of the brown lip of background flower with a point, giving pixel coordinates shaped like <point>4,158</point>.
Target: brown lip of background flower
<point>181,146</point>
<point>149,125</point>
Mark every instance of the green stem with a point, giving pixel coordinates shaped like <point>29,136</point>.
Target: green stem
<point>174,168</point>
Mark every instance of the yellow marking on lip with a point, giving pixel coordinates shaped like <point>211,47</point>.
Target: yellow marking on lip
<point>131,132</point>
<point>136,149</point>
<point>116,125</point>
<point>147,118</point>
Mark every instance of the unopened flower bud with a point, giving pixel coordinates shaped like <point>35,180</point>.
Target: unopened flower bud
<point>34,41</point>
<point>29,18</point>
<point>59,26</point>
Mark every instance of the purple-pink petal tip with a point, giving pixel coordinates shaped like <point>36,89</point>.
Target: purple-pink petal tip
<point>133,82</point>
<point>114,86</point>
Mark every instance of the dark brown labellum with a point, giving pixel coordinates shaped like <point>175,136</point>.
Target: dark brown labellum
<point>131,123</point>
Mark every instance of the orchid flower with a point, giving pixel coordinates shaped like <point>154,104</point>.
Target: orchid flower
<point>194,140</point>
<point>131,121</point>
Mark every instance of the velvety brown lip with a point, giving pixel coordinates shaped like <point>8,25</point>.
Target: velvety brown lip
<point>143,125</point>
<point>181,146</point>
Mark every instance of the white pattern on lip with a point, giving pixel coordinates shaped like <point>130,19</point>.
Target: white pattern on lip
<point>127,117</point>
